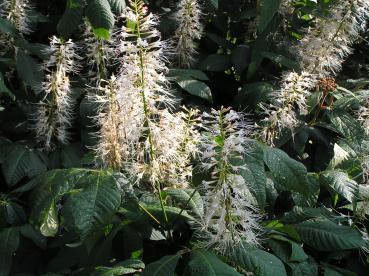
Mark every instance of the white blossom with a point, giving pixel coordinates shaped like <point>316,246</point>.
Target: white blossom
<point>55,112</point>
<point>326,45</point>
<point>229,218</point>
<point>189,29</point>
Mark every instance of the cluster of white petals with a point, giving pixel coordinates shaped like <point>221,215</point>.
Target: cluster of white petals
<point>281,113</point>
<point>326,45</point>
<point>321,52</point>
<point>229,218</point>
<point>55,112</point>
<point>189,29</point>
<point>154,144</point>
<point>17,13</point>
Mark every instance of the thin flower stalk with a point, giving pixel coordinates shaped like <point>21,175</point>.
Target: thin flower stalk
<point>189,29</point>
<point>55,112</point>
<point>229,216</point>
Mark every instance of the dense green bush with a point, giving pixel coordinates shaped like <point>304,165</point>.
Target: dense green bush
<point>121,152</point>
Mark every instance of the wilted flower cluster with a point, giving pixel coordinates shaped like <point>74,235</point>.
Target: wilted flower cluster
<point>189,29</point>
<point>55,112</point>
<point>229,216</point>
<point>321,52</point>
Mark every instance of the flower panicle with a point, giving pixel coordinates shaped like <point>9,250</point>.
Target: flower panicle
<point>17,13</point>
<point>230,217</point>
<point>189,29</point>
<point>286,103</point>
<point>325,46</point>
<point>54,113</point>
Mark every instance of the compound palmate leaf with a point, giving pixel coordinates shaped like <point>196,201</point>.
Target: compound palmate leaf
<point>90,199</point>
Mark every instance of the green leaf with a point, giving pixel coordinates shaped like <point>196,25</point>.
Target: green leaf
<point>165,266</point>
<point>267,10</point>
<point>206,263</point>
<point>9,242</point>
<point>188,196</point>
<point>253,172</point>
<point>286,171</point>
<point>29,70</point>
<point>71,18</point>
<point>345,124</point>
<point>4,88</point>
<point>122,268</point>
<point>20,162</point>
<point>90,199</point>
<point>216,63</point>
<point>91,204</point>
<point>187,74</point>
<point>254,93</point>
<point>28,231</point>
<point>257,261</point>
<point>7,28</point>
<point>195,88</point>
<point>117,6</point>
<point>241,57</point>
<point>214,3</point>
<point>324,235</point>
<point>101,17</point>
<point>295,253</point>
<point>341,183</point>
<point>281,60</point>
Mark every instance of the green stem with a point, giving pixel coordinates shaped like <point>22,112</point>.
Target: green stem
<point>145,106</point>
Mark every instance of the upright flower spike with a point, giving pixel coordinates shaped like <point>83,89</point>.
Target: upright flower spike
<point>16,12</point>
<point>109,150</point>
<point>55,112</point>
<point>97,52</point>
<point>189,29</point>
<point>152,134</point>
<point>229,217</point>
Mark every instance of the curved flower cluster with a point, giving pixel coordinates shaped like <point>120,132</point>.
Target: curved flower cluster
<point>321,52</point>
<point>324,48</point>
<point>281,113</point>
<point>229,217</point>
<point>154,144</point>
<point>54,113</point>
<point>188,30</point>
